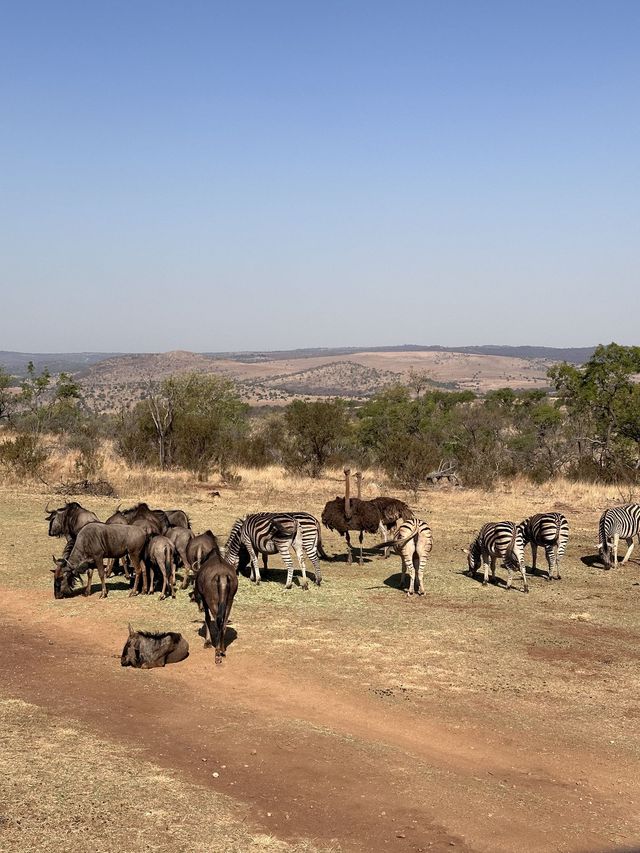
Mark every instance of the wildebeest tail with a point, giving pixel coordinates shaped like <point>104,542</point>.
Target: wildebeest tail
<point>223,595</point>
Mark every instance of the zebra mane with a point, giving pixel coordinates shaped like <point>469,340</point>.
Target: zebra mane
<point>233,540</point>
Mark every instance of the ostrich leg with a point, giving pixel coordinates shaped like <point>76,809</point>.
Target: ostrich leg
<point>360,538</point>
<point>349,554</point>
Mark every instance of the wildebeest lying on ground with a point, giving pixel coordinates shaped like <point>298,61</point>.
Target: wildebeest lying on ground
<point>68,521</point>
<point>215,586</point>
<point>95,542</point>
<point>159,552</point>
<point>198,549</point>
<point>145,650</point>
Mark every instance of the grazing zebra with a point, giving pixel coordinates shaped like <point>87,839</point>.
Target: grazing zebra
<point>498,539</point>
<point>413,542</point>
<point>550,530</point>
<point>619,522</point>
<point>274,533</point>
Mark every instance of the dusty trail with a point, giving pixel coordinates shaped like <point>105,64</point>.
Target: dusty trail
<point>315,762</point>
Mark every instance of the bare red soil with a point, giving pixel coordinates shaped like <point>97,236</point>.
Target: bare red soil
<point>314,762</point>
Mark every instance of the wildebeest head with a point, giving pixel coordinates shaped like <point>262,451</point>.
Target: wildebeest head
<point>64,579</point>
<point>56,518</point>
<point>144,650</point>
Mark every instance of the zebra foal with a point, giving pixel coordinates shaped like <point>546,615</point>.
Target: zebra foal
<point>502,539</point>
<point>549,530</point>
<point>619,522</point>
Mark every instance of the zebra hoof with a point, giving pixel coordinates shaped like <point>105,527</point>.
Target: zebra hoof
<point>485,583</point>
<point>288,586</point>
<point>207,644</point>
<point>305,586</point>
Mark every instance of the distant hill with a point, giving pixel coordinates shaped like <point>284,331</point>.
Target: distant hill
<point>57,362</point>
<point>574,355</point>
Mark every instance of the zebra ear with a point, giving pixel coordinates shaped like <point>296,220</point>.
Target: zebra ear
<point>464,550</point>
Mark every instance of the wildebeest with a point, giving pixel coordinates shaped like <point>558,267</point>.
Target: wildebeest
<point>215,586</point>
<point>68,521</point>
<point>198,549</point>
<point>178,518</point>
<point>145,650</point>
<point>154,521</point>
<point>159,552</point>
<point>95,542</point>
<point>180,537</point>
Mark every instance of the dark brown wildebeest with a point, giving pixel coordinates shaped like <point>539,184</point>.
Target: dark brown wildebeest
<point>159,552</point>
<point>145,650</point>
<point>215,586</point>
<point>178,518</point>
<point>198,549</point>
<point>155,521</point>
<point>95,542</point>
<point>68,521</point>
<point>180,537</point>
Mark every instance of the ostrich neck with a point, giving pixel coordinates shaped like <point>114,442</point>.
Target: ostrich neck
<point>347,495</point>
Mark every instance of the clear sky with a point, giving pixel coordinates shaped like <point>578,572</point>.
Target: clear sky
<point>267,174</point>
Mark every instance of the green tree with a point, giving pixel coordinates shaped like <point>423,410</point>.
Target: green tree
<point>317,430</point>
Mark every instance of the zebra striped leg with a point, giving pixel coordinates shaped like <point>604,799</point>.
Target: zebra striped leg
<point>312,554</point>
<point>300,555</point>
<point>550,553</point>
<point>630,544</point>
<point>407,563</point>
<point>534,554</point>
<point>421,567</point>
<point>485,567</point>
<point>253,559</point>
<point>616,539</point>
<point>523,572</point>
<point>509,577</point>
<point>283,550</point>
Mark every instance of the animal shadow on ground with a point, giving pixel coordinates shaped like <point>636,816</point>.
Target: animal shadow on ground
<point>478,577</point>
<point>593,561</point>
<point>230,634</point>
<point>342,558</point>
<point>395,581</point>
<point>279,576</point>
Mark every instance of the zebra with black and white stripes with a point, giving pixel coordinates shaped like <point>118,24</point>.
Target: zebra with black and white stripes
<point>413,541</point>
<point>498,539</point>
<point>619,522</point>
<point>549,530</point>
<point>275,533</point>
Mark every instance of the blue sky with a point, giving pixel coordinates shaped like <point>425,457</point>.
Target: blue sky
<point>275,174</point>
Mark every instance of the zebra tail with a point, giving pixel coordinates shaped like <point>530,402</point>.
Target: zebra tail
<point>321,552</point>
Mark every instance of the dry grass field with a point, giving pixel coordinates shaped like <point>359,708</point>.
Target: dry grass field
<point>344,718</point>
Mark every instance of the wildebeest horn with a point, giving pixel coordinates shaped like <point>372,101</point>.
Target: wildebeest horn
<point>46,509</point>
<point>131,631</point>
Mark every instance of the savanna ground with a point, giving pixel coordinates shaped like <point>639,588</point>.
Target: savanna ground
<point>344,718</point>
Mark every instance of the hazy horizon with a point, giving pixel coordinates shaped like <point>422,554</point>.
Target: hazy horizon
<point>229,177</point>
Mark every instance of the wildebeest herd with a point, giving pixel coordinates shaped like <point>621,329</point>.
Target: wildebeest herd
<point>143,541</point>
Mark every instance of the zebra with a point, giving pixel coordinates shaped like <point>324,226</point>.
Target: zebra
<point>550,530</point>
<point>619,522</point>
<point>413,542</point>
<point>498,539</point>
<point>274,533</point>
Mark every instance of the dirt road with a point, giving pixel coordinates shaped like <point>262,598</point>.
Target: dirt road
<point>318,763</point>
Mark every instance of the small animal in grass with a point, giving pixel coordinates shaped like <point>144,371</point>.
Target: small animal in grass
<point>146,650</point>
<point>214,589</point>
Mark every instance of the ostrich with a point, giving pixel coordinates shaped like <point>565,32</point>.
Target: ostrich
<point>391,511</point>
<point>345,514</point>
